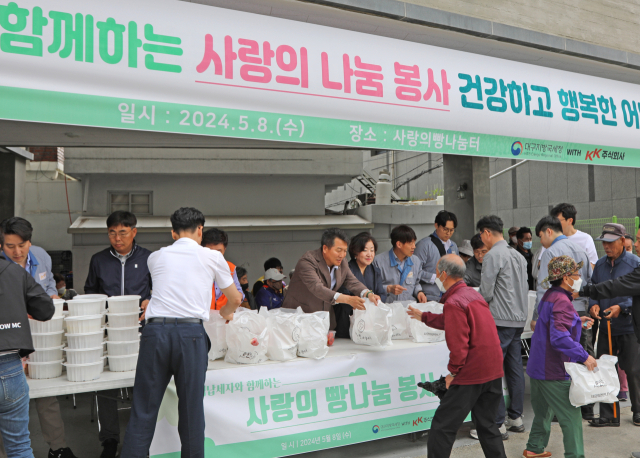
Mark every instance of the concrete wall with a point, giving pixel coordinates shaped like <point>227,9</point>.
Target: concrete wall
<point>612,23</point>
<point>524,195</point>
<point>215,195</point>
<point>46,209</point>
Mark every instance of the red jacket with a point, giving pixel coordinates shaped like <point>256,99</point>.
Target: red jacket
<point>472,338</point>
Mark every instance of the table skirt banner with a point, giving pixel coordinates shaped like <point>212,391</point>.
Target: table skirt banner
<point>274,410</point>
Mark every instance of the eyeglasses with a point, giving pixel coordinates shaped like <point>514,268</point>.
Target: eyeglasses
<point>121,234</point>
<point>446,230</point>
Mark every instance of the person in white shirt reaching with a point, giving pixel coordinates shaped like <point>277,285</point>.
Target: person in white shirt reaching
<point>567,214</point>
<point>174,342</point>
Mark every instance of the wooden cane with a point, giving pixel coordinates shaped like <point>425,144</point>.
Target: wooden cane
<point>615,415</point>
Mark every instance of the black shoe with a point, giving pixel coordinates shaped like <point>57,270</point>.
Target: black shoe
<point>600,422</point>
<point>109,448</point>
<point>587,412</point>
<point>636,419</point>
<point>61,453</point>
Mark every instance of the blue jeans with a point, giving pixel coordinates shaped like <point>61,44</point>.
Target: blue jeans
<point>14,407</point>
<point>513,371</point>
<point>168,349</point>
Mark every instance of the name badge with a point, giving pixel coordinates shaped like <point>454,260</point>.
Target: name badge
<point>43,276</point>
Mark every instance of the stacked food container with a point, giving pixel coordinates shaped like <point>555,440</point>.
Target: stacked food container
<point>46,360</point>
<point>85,337</point>
<point>123,342</point>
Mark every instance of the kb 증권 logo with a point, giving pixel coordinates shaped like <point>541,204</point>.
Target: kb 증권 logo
<point>375,429</point>
<point>516,148</point>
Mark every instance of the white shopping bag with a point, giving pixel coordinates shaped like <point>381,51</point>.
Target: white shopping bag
<point>283,333</point>
<point>372,326</point>
<point>399,324</point>
<point>247,338</point>
<point>419,331</point>
<point>600,385</point>
<point>217,331</point>
<point>314,329</point>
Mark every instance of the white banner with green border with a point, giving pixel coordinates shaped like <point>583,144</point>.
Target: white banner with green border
<point>280,409</point>
<point>178,67</point>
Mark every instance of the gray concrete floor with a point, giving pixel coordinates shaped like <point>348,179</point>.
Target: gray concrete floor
<point>82,437</point>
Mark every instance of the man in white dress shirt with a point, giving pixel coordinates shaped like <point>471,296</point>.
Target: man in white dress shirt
<point>174,342</point>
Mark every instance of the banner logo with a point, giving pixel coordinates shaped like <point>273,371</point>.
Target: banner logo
<point>591,155</point>
<point>375,429</point>
<point>516,148</point>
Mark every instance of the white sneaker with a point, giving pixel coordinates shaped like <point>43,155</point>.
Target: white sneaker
<point>503,430</point>
<point>517,426</point>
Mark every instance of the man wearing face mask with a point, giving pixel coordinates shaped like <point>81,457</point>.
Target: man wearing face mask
<point>504,287</point>
<point>615,264</point>
<point>249,299</point>
<point>556,244</point>
<point>513,236</point>
<point>525,243</point>
<point>270,295</point>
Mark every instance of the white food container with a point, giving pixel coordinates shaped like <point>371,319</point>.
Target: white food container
<point>123,363</point>
<point>51,369</point>
<point>53,325</point>
<point>100,297</point>
<point>123,320</point>
<point>123,348</point>
<point>47,339</point>
<point>59,305</point>
<point>82,324</point>
<point>124,304</point>
<point>123,334</point>
<point>46,355</point>
<point>84,307</point>
<point>84,355</point>
<point>85,340</point>
<point>84,372</point>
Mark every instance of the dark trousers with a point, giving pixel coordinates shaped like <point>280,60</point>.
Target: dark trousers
<point>169,349</point>
<point>482,401</point>
<point>513,371</point>
<point>627,349</point>
<point>108,416</point>
<point>343,312</point>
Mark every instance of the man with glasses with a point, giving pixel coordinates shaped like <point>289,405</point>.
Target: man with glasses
<point>473,273</point>
<point>120,270</point>
<point>430,249</point>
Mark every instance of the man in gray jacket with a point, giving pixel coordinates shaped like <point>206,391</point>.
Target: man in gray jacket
<point>430,249</point>
<point>504,286</point>
<point>549,229</point>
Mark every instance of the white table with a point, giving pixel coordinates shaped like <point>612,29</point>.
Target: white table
<point>60,386</point>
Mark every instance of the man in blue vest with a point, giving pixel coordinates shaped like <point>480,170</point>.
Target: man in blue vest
<point>18,249</point>
<point>270,295</point>
<point>430,249</point>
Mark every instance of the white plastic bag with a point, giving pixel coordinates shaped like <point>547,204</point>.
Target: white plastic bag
<point>283,332</point>
<point>247,338</point>
<point>216,329</point>
<point>372,326</point>
<point>600,385</point>
<point>419,331</point>
<point>314,328</point>
<point>399,324</point>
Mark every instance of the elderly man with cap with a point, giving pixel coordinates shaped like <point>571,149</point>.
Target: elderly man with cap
<point>614,314</point>
<point>270,295</point>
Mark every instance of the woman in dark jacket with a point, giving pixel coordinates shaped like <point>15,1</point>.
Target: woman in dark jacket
<point>362,250</point>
